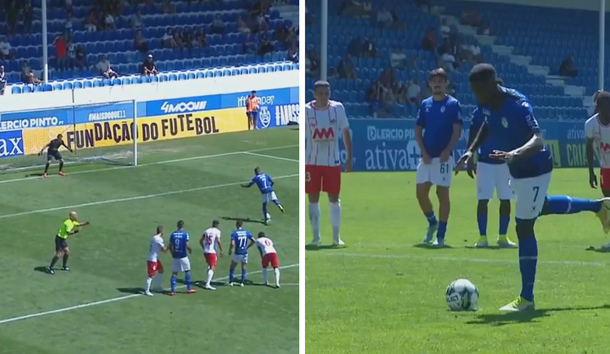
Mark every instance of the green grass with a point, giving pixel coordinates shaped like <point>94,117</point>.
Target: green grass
<point>383,295</point>
<point>109,257</point>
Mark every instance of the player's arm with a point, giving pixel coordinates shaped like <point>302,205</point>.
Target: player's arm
<point>590,155</point>
<point>231,245</point>
<point>201,241</point>
<point>248,185</point>
<point>343,125</point>
<point>478,131</point>
<point>252,241</point>
<point>457,128</point>
<point>79,224</point>
<point>420,125</point>
<point>590,151</point>
<point>44,148</point>
<point>535,142</point>
<point>187,244</point>
<point>66,146</point>
<point>219,244</point>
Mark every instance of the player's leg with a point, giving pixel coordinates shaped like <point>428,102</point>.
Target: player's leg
<point>313,186</point>
<point>505,194</point>
<point>152,270</point>
<point>244,266</point>
<point>530,194</point>
<point>211,260</point>
<point>265,199</point>
<point>277,201</point>
<point>605,186</point>
<point>485,192</point>
<point>276,269</point>
<point>47,165</point>
<point>563,204</point>
<point>58,254</point>
<point>59,158</point>
<point>176,267</point>
<point>254,119</point>
<point>158,278</point>
<point>234,261</point>
<point>331,184</point>
<point>441,176</point>
<point>423,185</point>
<point>185,267</point>
<point>66,255</point>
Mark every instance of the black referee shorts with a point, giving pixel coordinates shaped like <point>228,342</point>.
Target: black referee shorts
<point>53,155</point>
<point>60,244</point>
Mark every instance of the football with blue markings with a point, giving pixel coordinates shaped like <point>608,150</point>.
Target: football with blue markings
<point>462,295</point>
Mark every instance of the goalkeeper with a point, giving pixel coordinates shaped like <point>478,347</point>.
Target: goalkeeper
<point>53,153</point>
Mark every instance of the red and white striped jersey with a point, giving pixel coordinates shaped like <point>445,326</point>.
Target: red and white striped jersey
<point>600,134</point>
<point>323,127</point>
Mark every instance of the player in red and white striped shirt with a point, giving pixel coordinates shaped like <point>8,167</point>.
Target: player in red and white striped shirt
<point>325,121</point>
<point>210,240</point>
<point>268,258</point>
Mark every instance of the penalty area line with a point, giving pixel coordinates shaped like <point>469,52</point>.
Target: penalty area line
<point>128,199</point>
<point>107,301</point>
<point>458,259</point>
<point>270,156</point>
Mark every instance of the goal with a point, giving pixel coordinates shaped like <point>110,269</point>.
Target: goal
<point>97,133</point>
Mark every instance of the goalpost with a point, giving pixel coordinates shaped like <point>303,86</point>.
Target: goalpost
<point>103,133</point>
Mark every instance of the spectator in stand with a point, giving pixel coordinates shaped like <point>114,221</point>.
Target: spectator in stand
<point>388,101</point>
<point>485,29</point>
<point>400,93</point>
<point>61,51</point>
<point>140,43</point>
<point>260,24</point>
<point>355,47</point>
<point>567,69</point>
<point>177,37</point>
<point>168,7</point>
<point>11,14</point>
<point>80,60</point>
<point>91,23</point>
<point>472,53</point>
<point>68,28</point>
<point>71,57</point>
<point>387,78</point>
<point>27,75</point>
<point>369,50</point>
<point>242,26</point>
<point>445,29</point>
<point>397,23</point>
<point>384,18</point>
<point>136,21</point>
<point>374,96</point>
<point>6,52</point>
<point>218,26</point>
<point>352,8</point>
<point>104,67</point>
<point>187,39</point>
<point>398,58</point>
<point>265,46</point>
<point>413,93</point>
<point>346,68</point>
<point>429,41</point>
<point>109,24</point>
<point>248,46</point>
<point>68,6</point>
<point>149,67</point>
<point>3,80</point>
<point>28,17</point>
<point>314,64</point>
<point>201,39</point>
<point>367,9</point>
<point>293,54</point>
<point>168,40</point>
<point>470,17</point>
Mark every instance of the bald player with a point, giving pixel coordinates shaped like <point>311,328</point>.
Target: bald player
<point>69,227</point>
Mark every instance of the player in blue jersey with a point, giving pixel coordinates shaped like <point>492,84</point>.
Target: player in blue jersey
<point>241,240</point>
<point>508,118</point>
<point>265,183</point>
<point>438,129</point>
<point>179,246</point>
<point>492,174</point>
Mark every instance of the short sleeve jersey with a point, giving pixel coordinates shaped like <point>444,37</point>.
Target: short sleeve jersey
<point>437,119</point>
<point>66,227</point>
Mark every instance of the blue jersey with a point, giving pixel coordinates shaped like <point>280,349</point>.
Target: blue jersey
<point>241,237</point>
<point>178,240</point>
<point>264,183</point>
<point>490,144</point>
<point>511,127</point>
<point>437,118</point>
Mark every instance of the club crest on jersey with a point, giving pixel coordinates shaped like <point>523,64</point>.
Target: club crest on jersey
<point>443,109</point>
<point>504,122</point>
<point>312,121</point>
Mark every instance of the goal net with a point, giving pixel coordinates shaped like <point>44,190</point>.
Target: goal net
<point>97,133</point>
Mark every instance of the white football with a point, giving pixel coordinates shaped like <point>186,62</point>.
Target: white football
<point>462,295</point>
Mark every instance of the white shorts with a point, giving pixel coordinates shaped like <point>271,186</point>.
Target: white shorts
<point>240,258</point>
<point>492,177</point>
<point>181,265</point>
<point>268,197</point>
<point>437,173</point>
<point>531,194</point>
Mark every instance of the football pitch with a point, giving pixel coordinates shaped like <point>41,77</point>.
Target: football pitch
<point>385,294</point>
<point>96,307</point>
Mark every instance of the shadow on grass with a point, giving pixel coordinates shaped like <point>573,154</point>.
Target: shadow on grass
<point>525,317</point>
<point>598,250</point>
<point>42,269</point>
<point>429,246</point>
<point>491,248</point>
<point>324,247</point>
<point>34,174</point>
<point>231,218</point>
<point>201,283</point>
<point>131,290</point>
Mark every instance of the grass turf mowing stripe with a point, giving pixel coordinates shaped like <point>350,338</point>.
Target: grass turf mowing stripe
<point>107,301</point>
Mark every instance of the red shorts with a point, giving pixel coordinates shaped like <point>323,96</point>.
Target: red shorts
<point>604,179</point>
<point>154,268</point>
<point>270,259</point>
<point>211,259</point>
<point>322,179</point>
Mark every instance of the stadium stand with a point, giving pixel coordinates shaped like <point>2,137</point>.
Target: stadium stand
<point>187,40</point>
<point>492,32</point>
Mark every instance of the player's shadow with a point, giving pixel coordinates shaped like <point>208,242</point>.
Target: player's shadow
<point>493,247</point>
<point>35,174</point>
<point>598,250</point>
<point>201,283</point>
<point>231,218</point>
<point>324,247</point>
<point>428,246</point>
<point>42,269</point>
<point>130,290</point>
<point>525,317</point>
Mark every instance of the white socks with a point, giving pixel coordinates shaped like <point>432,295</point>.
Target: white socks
<point>314,219</point>
<point>157,280</point>
<point>210,276</point>
<point>335,219</point>
<point>276,271</point>
<point>148,282</point>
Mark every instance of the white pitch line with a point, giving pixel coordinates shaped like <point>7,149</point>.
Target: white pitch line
<point>271,156</point>
<point>107,301</point>
<point>460,259</point>
<point>155,163</point>
<point>140,197</point>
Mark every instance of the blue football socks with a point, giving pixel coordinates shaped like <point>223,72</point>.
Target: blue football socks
<point>442,230</point>
<point>562,204</point>
<point>187,280</point>
<point>173,283</point>
<point>231,275</point>
<point>482,222</point>
<point>504,221</point>
<point>243,276</point>
<point>431,218</point>
<point>528,259</point>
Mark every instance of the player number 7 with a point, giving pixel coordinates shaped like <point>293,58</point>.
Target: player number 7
<point>536,190</point>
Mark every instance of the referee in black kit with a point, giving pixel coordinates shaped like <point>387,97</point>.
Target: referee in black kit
<point>53,153</point>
